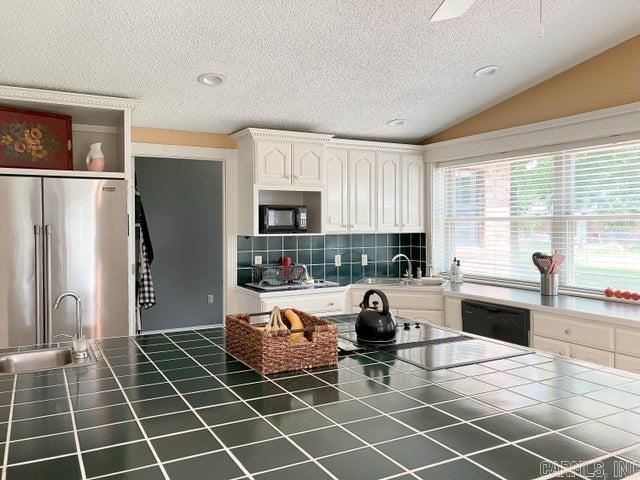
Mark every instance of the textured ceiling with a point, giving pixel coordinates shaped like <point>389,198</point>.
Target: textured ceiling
<point>334,66</point>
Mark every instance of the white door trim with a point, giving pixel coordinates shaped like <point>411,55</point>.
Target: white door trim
<point>227,157</point>
<point>180,151</point>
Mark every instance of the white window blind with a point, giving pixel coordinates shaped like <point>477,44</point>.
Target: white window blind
<point>585,203</point>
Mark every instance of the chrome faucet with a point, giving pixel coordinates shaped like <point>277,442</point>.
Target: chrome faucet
<point>407,274</point>
<point>79,341</point>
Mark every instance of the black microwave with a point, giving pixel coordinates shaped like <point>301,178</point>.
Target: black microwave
<point>283,218</point>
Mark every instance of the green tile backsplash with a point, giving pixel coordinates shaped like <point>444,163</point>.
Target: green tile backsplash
<point>318,252</point>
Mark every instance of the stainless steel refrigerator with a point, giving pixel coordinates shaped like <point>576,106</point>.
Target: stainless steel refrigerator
<point>56,235</point>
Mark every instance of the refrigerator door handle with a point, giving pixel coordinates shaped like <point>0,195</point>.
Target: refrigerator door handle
<point>47,292</point>
<point>37,233</point>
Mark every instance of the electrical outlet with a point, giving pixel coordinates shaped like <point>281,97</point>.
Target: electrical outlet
<point>210,299</point>
<point>364,260</point>
<point>257,260</point>
<point>337,260</point>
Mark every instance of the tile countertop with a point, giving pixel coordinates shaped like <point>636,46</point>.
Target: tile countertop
<point>178,406</point>
<point>597,309</point>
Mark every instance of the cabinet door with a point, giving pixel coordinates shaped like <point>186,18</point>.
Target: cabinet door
<point>362,191</point>
<point>388,171</point>
<point>453,313</point>
<point>593,355</point>
<point>413,193</point>
<point>307,164</point>
<point>336,216</point>
<point>273,162</point>
<point>625,362</point>
<point>429,316</point>
<point>552,346</point>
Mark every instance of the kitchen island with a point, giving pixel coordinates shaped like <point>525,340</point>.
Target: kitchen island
<point>177,406</point>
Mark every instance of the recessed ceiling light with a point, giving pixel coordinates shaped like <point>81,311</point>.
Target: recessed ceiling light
<point>396,122</point>
<point>487,71</point>
<point>211,79</point>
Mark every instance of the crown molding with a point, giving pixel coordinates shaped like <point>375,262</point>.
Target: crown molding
<point>325,139</point>
<point>378,146</point>
<point>577,129</point>
<point>66,98</point>
<point>267,134</point>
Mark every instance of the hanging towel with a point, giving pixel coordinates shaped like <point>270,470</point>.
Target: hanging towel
<point>146,292</point>
<point>141,220</point>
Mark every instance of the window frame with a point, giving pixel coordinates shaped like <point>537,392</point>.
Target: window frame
<point>563,221</point>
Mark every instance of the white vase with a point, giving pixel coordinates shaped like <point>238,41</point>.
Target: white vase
<point>95,158</point>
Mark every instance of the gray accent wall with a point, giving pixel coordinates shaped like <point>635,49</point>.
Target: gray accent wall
<point>183,202</point>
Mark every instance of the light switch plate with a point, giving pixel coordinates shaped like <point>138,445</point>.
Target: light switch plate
<point>337,260</point>
<point>210,299</point>
<point>257,260</point>
<point>364,260</point>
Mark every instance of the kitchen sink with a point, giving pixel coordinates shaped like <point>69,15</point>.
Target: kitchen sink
<point>409,282</point>
<point>45,359</point>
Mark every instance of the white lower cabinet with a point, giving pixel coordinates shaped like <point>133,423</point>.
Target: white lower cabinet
<point>579,352</point>
<point>430,316</point>
<point>593,355</point>
<point>626,362</point>
<point>453,313</point>
<point>628,341</point>
<point>573,331</point>
<point>317,302</point>
<point>552,346</point>
<point>416,304</point>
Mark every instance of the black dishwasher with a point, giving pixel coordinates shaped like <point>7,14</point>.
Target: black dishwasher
<point>508,324</point>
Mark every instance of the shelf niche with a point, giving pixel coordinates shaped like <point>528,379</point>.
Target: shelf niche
<point>311,199</point>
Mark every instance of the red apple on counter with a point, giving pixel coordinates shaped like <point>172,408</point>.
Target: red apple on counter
<point>608,292</point>
<point>286,261</point>
<point>635,296</point>
<point>626,294</point>
<point>618,293</point>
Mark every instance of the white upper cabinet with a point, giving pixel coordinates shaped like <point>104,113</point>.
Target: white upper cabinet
<point>307,164</point>
<point>348,186</point>
<point>336,191</point>
<point>389,198</point>
<point>413,201</point>
<point>362,191</point>
<point>273,162</point>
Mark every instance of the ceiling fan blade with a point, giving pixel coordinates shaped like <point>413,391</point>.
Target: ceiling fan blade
<point>451,9</point>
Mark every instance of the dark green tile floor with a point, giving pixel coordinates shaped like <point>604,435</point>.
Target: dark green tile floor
<point>177,406</point>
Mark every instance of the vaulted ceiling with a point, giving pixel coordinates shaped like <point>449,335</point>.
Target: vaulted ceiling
<point>336,66</point>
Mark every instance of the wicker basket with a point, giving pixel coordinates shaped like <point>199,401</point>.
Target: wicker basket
<point>272,352</point>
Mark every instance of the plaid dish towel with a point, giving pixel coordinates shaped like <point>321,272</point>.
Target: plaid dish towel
<point>146,292</point>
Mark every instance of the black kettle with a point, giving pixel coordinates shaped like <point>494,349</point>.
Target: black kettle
<point>373,325</point>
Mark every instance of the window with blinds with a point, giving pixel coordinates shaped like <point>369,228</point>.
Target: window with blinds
<point>585,203</point>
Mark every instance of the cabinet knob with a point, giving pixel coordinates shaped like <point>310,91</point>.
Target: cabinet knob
<point>573,355</point>
<point>331,304</point>
<point>567,331</point>
<point>296,177</point>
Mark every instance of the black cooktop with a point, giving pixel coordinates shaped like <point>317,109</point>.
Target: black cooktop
<point>432,347</point>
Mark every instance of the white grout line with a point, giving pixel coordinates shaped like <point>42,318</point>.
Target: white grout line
<point>286,437</point>
<point>501,411</point>
<point>273,380</point>
<point>75,430</point>
<point>210,429</point>
<point>139,423</point>
<point>367,444</point>
<point>5,460</point>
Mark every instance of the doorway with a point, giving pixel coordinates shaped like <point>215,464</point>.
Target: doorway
<point>183,204</point>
